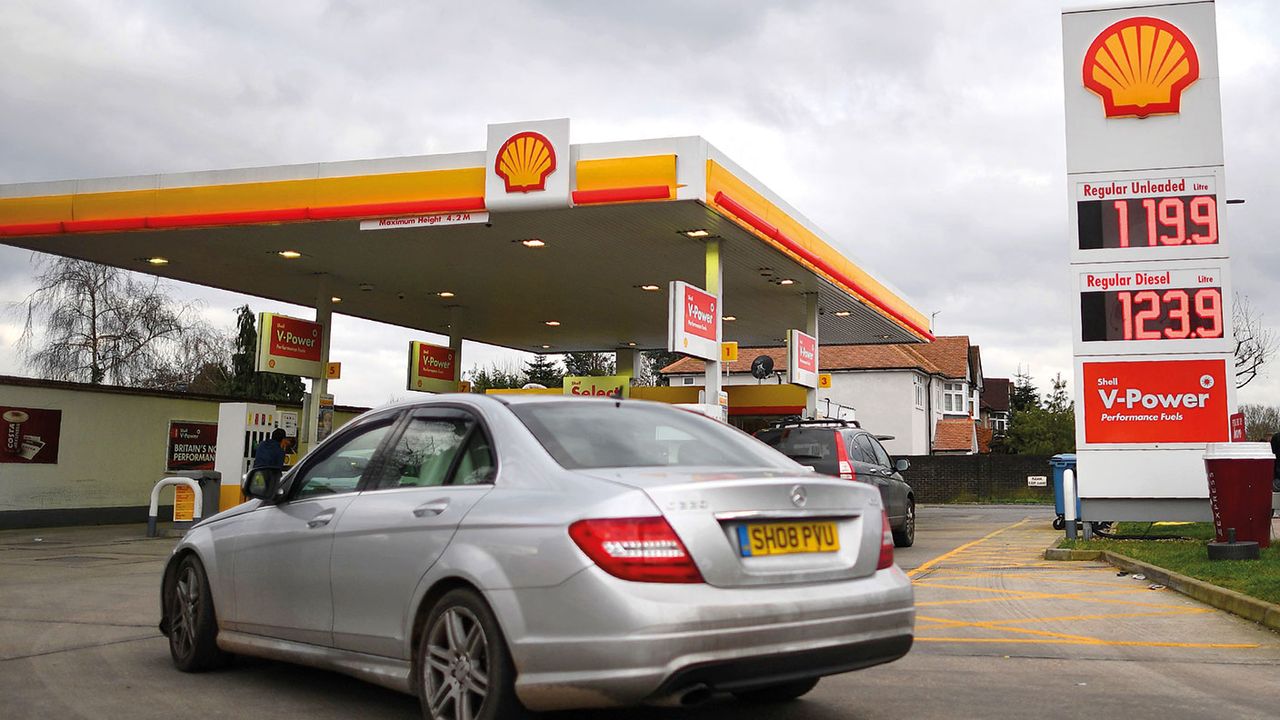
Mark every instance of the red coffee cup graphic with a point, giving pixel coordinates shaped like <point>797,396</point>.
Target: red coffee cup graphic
<point>13,420</point>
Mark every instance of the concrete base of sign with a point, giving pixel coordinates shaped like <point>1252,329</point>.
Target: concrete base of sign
<point>1146,509</point>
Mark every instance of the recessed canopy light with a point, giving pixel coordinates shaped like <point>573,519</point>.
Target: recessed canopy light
<point>842,313</point>
<point>729,318</point>
<point>650,288</point>
<point>335,299</point>
<point>533,243</point>
<point>884,337</point>
<point>444,294</point>
<point>697,233</point>
<point>289,254</point>
<point>157,261</point>
<point>786,281</point>
<point>551,323</point>
<point>546,347</point>
<point>630,344</point>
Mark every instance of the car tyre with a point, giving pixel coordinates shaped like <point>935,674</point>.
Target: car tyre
<point>781,692</point>
<point>463,664</point>
<point>905,536</point>
<point>193,622</point>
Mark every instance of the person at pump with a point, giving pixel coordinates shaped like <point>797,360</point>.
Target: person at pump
<point>1275,450</point>
<point>270,453</point>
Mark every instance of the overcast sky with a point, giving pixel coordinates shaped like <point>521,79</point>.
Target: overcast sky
<point>926,138</point>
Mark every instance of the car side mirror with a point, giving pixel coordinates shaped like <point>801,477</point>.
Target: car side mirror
<point>261,483</point>
<point>901,464</point>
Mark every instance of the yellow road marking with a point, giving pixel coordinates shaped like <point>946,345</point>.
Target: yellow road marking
<point>1115,643</point>
<point>966,546</point>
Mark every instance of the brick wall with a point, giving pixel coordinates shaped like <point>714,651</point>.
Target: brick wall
<point>978,478</point>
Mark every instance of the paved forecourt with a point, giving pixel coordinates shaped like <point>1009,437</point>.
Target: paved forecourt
<point>1001,634</point>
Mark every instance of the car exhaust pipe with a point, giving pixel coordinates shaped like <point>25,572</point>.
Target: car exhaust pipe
<point>690,696</point>
<point>695,695</point>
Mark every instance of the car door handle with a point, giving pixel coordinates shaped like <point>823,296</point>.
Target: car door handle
<point>320,520</point>
<point>434,507</point>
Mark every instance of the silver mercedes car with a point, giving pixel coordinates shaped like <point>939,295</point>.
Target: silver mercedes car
<point>496,555</point>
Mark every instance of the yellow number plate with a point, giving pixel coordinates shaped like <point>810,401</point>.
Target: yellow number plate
<point>783,538</point>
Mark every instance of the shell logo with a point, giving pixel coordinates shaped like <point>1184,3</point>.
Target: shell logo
<point>524,162</point>
<point>1140,66</point>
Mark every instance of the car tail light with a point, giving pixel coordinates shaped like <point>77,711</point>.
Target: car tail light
<point>886,542</point>
<point>642,549</point>
<point>842,459</point>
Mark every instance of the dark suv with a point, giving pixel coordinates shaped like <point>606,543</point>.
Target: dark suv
<point>843,449</point>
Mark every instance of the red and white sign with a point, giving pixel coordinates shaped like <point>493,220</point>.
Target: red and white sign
<point>290,346</point>
<point>432,368</point>
<point>1155,401</point>
<point>693,321</point>
<point>802,359</point>
<point>1238,433</point>
<point>420,221</point>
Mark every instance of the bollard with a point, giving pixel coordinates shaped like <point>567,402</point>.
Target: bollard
<point>155,501</point>
<point>1069,501</point>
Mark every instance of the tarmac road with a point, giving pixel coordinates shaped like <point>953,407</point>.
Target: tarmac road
<point>1001,634</point>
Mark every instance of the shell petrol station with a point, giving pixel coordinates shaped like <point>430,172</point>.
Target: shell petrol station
<point>532,244</point>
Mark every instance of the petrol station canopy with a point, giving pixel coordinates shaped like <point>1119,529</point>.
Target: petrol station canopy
<point>490,239</point>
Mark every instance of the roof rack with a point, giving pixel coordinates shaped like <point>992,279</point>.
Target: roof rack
<point>796,421</point>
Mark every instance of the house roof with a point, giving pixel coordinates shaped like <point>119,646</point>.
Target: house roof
<point>946,356</point>
<point>954,434</point>
<point>995,394</point>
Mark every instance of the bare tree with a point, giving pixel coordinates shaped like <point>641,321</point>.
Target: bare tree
<point>94,323</point>
<point>1261,421</point>
<point>1255,342</point>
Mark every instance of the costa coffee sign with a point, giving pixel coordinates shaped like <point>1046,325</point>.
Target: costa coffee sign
<point>802,359</point>
<point>693,321</point>
<point>290,346</point>
<point>432,368</point>
<point>1155,401</point>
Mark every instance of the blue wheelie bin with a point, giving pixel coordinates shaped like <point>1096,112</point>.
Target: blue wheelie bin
<point>1060,464</point>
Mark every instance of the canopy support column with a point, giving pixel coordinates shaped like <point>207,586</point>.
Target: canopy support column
<point>811,327</point>
<point>628,362</point>
<point>715,274</point>
<point>320,385</point>
<point>455,340</point>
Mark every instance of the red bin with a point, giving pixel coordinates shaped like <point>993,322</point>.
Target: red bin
<point>1240,489</point>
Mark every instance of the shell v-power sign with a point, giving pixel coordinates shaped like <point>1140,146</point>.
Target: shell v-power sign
<point>1150,267</point>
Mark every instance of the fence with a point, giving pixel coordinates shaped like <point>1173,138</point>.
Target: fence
<point>979,478</point>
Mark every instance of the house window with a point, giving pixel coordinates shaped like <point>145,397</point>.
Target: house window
<point>686,381</point>
<point>953,398</point>
<point>999,423</point>
<point>919,393</point>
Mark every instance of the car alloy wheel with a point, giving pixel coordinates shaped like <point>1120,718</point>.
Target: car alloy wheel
<point>193,624</point>
<point>906,535</point>
<point>456,667</point>
<point>184,608</point>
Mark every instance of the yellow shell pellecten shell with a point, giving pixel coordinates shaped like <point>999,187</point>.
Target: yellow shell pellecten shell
<point>1140,66</point>
<point>524,162</point>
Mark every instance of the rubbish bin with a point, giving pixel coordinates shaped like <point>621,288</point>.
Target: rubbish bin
<point>210,489</point>
<point>1060,464</point>
<point>1240,489</point>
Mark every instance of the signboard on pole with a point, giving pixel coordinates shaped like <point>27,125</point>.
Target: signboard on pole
<point>431,368</point>
<point>693,321</point>
<point>1147,238</point>
<point>289,346</point>
<point>802,359</point>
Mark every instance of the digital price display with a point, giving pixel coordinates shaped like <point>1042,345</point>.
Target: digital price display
<point>1174,314</point>
<point>1147,213</point>
<point>1173,304</point>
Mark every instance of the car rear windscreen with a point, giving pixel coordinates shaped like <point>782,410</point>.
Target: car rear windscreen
<point>815,447</point>
<point>589,434</point>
